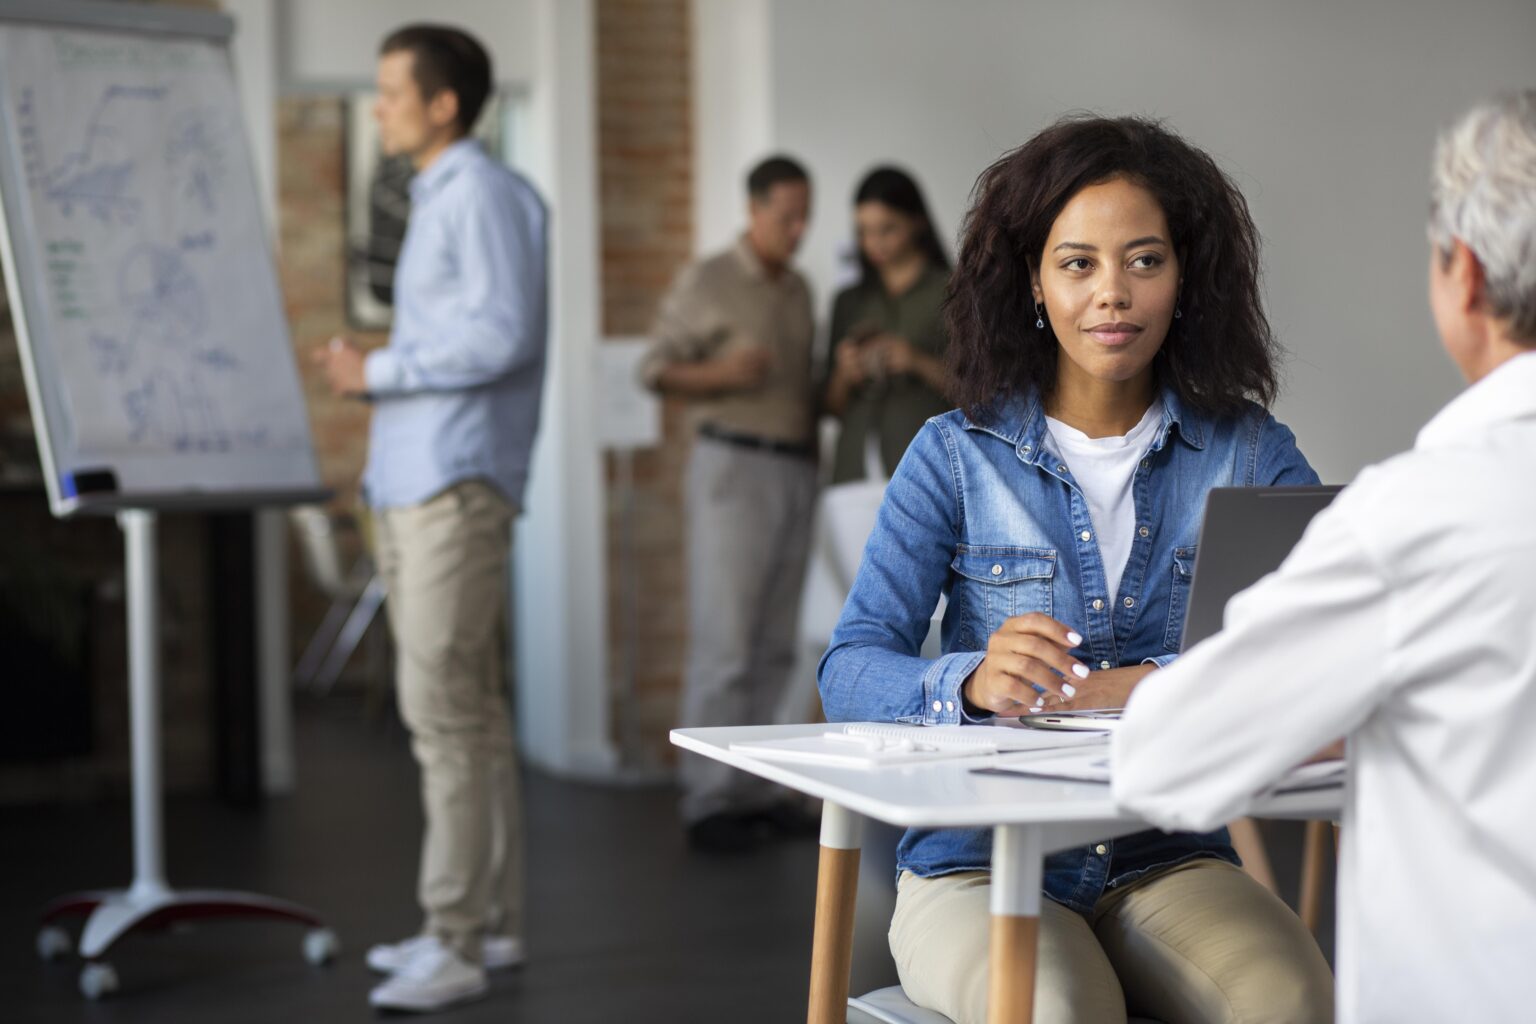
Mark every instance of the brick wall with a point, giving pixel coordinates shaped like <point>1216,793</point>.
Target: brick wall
<point>311,133</point>
<point>311,151</point>
<point>645,163</point>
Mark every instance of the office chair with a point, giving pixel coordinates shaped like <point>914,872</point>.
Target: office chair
<point>356,593</point>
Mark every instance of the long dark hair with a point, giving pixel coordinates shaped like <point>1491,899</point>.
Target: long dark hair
<point>1217,355</point>
<point>894,187</point>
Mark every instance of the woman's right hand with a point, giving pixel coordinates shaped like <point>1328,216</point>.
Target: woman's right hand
<point>849,366</point>
<point>1026,652</point>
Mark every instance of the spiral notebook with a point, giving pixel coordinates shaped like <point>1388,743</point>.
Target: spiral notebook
<point>879,744</point>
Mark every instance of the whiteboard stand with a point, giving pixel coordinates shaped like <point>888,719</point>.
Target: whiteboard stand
<point>149,902</point>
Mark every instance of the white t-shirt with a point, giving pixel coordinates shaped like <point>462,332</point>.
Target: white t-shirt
<point>1104,468</point>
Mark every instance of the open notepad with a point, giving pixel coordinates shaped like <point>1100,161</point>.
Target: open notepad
<point>878,744</point>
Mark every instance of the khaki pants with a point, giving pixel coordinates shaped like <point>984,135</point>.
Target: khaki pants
<point>444,564</point>
<point>1200,943</point>
<point>749,537</point>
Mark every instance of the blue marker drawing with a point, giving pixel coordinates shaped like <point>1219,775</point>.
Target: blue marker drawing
<point>112,356</point>
<point>218,359</point>
<point>162,297</point>
<point>96,176</point>
<point>175,411</point>
<point>195,155</point>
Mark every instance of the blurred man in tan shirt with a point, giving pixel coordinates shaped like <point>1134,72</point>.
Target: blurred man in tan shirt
<point>734,336</point>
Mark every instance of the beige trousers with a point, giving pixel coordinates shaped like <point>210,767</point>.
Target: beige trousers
<point>1199,943</point>
<point>749,536</point>
<point>444,564</point>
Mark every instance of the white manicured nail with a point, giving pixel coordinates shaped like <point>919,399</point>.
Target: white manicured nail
<point>1038,704</point>
<point>1074,638</point>
<point>1069,689</point>
<point>1081,671</point>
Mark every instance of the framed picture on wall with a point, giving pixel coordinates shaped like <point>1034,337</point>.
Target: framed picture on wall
<point>378,199</point>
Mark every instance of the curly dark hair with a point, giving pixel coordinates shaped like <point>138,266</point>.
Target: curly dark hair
<point>1217,355</point>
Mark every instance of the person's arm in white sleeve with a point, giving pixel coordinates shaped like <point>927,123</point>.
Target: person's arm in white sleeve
<point>1301,661</point>
<point>501,324</point>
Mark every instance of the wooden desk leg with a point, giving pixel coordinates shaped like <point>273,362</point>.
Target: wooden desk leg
<point>1314,854</point>
<point>1016,869</point>
<point>837,884</point>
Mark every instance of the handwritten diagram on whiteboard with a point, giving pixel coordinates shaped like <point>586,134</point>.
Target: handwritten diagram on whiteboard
<point>163,315</point>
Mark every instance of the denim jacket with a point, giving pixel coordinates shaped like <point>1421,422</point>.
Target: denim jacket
<point>989,516</point>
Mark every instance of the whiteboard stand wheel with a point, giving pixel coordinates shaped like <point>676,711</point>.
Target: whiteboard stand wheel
<point>321,946</point>
<point>97,980</point>
<point>52,943</point>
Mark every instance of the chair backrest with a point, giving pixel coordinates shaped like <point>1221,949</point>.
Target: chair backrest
<point>322,555</point>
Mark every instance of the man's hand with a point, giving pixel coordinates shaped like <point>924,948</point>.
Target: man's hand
<point>1106,688</point>
<point>1026,652</point>
<point>342,362</point>
<point>743,369</point>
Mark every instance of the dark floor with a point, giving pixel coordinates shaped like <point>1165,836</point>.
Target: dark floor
<point>625,925</point>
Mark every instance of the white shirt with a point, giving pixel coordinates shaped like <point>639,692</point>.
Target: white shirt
<point>1405,618</point>
<point>1105,468</point>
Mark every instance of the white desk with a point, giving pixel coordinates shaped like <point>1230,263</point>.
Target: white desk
<point>1030,818</point>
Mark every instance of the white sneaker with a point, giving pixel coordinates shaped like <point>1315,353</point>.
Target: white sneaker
<point>434,977</point>
<point>497,953</point>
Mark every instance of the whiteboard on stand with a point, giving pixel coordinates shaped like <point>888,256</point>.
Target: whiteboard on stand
<point>155,347</point>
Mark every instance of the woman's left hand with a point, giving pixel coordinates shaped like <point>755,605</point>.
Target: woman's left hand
<point>1106,688</point>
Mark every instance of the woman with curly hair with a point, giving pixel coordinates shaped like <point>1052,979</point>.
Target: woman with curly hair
<point>1111,361</point>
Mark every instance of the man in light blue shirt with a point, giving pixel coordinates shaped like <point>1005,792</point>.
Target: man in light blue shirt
<point>455,399</point>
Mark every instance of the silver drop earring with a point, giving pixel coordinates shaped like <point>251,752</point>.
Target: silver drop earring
<point>1177,312</point>
<point>1040,320</point>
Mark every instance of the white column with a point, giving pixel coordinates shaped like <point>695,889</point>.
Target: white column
<point>732,112</point>
<point>560,576</point>
<point>255,56</point>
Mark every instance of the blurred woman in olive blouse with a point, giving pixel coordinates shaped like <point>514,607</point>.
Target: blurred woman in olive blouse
<point>885,374</point>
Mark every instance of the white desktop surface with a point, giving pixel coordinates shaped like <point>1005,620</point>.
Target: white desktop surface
<point>948,793</point>
<point>1030,818</point>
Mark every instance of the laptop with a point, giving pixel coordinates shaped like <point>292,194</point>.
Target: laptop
<point>1246,534</point>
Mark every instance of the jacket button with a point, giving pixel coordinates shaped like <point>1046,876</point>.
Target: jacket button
<point>1101,849</point>
<point>949,705</point>
<point>1061,468</point>
<point>1104,665</point>
<point>1098,605</point>
<point>938,705</point>
<point>1130,602</point>
<point>1144,531</point>
<point>1085,535</point>
<point>997,570</point>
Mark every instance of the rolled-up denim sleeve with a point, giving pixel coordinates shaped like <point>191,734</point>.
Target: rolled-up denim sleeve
<point>872,670</point>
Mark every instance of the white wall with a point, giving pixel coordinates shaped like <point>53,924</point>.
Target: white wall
<point>1324,112</point>
<point>560,580</point>
<point>336,42</point>
<point>733,105</point>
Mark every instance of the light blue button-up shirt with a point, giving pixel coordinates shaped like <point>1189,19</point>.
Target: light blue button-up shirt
<point>456,392</point>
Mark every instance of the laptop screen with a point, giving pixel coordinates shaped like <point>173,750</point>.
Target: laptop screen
<point>1246,534</point>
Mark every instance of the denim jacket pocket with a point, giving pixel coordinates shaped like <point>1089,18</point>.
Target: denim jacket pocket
<point>1178,597</point>
<point>996,583</point>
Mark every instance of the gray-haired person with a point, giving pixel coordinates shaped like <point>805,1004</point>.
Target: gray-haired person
<point>1406,621</point>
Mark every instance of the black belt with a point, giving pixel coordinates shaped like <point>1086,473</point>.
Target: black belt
<point>761,444</point>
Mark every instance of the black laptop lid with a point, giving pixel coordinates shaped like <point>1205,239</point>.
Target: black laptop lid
<point>1246,534</point>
